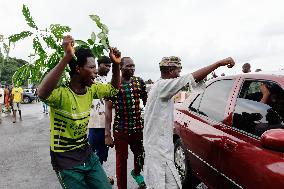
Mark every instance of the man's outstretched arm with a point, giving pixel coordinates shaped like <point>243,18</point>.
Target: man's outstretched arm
<point>50,81</point>
<point>203,72</point>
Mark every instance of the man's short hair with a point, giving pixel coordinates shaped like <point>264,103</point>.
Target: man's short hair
<point>81,54</point>
<point>104,60</point>
<point>123,60</point>
<point>246,65</point>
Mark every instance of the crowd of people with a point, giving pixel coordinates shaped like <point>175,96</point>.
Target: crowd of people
<point>11,98</point>
<point>89,100</point>
<point>90,114</point>
<point>10,101</point>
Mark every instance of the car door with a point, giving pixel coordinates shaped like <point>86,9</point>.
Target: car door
<point>201,134</point>
<point>244,163</point>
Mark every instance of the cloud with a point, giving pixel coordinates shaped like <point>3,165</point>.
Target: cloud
<point>199,31</point>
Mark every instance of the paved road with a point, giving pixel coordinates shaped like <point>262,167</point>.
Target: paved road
<point>24,153</point>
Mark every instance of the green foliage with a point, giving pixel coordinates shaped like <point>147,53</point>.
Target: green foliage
<point>28,17</point>
<point>93,36</point>
<point>38,48</point>
<point>3,55</point>
<point>96,19</point>
<point>51,43</point>
<point>104,32</point>
<point>16,37</point>
<point>11,65</point>
<point>81,43</point>
<point>48,50</point>
<point>6,48</point>
<point>58,30</point>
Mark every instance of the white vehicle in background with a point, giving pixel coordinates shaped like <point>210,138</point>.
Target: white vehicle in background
<point>29,95</point>
<point>27,90</point>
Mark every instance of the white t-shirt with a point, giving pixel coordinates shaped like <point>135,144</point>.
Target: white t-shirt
<point>97,112</point>
<point>1,95</point>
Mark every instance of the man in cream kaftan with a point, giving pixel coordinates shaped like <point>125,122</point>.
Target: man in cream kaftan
<point>159,168</point>
<point>158,133</point>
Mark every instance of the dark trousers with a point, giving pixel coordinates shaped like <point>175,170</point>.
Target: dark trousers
<point>97,141</point>
<point>121,141</point>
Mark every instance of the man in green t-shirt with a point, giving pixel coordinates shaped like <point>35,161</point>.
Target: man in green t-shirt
<point>71,156</point>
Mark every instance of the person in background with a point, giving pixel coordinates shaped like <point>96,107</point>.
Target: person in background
<point>1,101</point>
<point>159,169</point>
<point>7,98</point>
<point>214,75</point>
<point>96,124</point>
<point>45,108</point>
<point>17,98</point>
<point>128,123</point>
<point>34,91</point>
<point>246,68</point>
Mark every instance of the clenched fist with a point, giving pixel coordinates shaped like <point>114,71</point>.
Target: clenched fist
<point>229,62</point>
<point>115,55</point>
<point>68,46</point>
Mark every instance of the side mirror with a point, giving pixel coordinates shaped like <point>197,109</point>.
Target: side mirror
<point>273,139</point>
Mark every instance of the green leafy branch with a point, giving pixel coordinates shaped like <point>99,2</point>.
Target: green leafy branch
<point>48,50</point>
<point>101,37</point>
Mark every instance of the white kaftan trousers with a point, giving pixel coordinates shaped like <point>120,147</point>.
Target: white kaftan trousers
<point>159,167</point>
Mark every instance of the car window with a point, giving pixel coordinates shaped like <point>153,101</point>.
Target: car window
<point>214,99</point>
<point>251,90</point>
<point>255,116</point>
<point>195,104</point>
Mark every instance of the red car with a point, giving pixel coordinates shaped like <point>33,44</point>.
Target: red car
<point>228,137</point>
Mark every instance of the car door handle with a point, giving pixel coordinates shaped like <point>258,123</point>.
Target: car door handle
<point>231,145</point>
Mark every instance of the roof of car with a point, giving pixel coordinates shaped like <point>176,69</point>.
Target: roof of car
<point>270,73</point>
<point>279,72</point>
<point>257,75</point>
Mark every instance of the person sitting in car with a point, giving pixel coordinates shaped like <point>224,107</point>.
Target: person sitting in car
<point>274,97</point>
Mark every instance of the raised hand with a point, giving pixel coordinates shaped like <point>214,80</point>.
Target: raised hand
<point>229,62</point>
<point>115,55</point>
<point>68,46</point>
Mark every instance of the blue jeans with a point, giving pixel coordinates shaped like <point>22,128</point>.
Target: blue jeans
<point>44,105</point>
<point>97,141</point>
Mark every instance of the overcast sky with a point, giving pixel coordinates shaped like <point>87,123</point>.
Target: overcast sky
<point>200,32</point>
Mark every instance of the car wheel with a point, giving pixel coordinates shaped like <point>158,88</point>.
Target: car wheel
<point>26,100</point>
<point>182,164</point>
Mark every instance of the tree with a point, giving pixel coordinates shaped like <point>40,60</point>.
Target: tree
<point>3,55</point>
<point>11,66</point>
<point>48,50</point>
